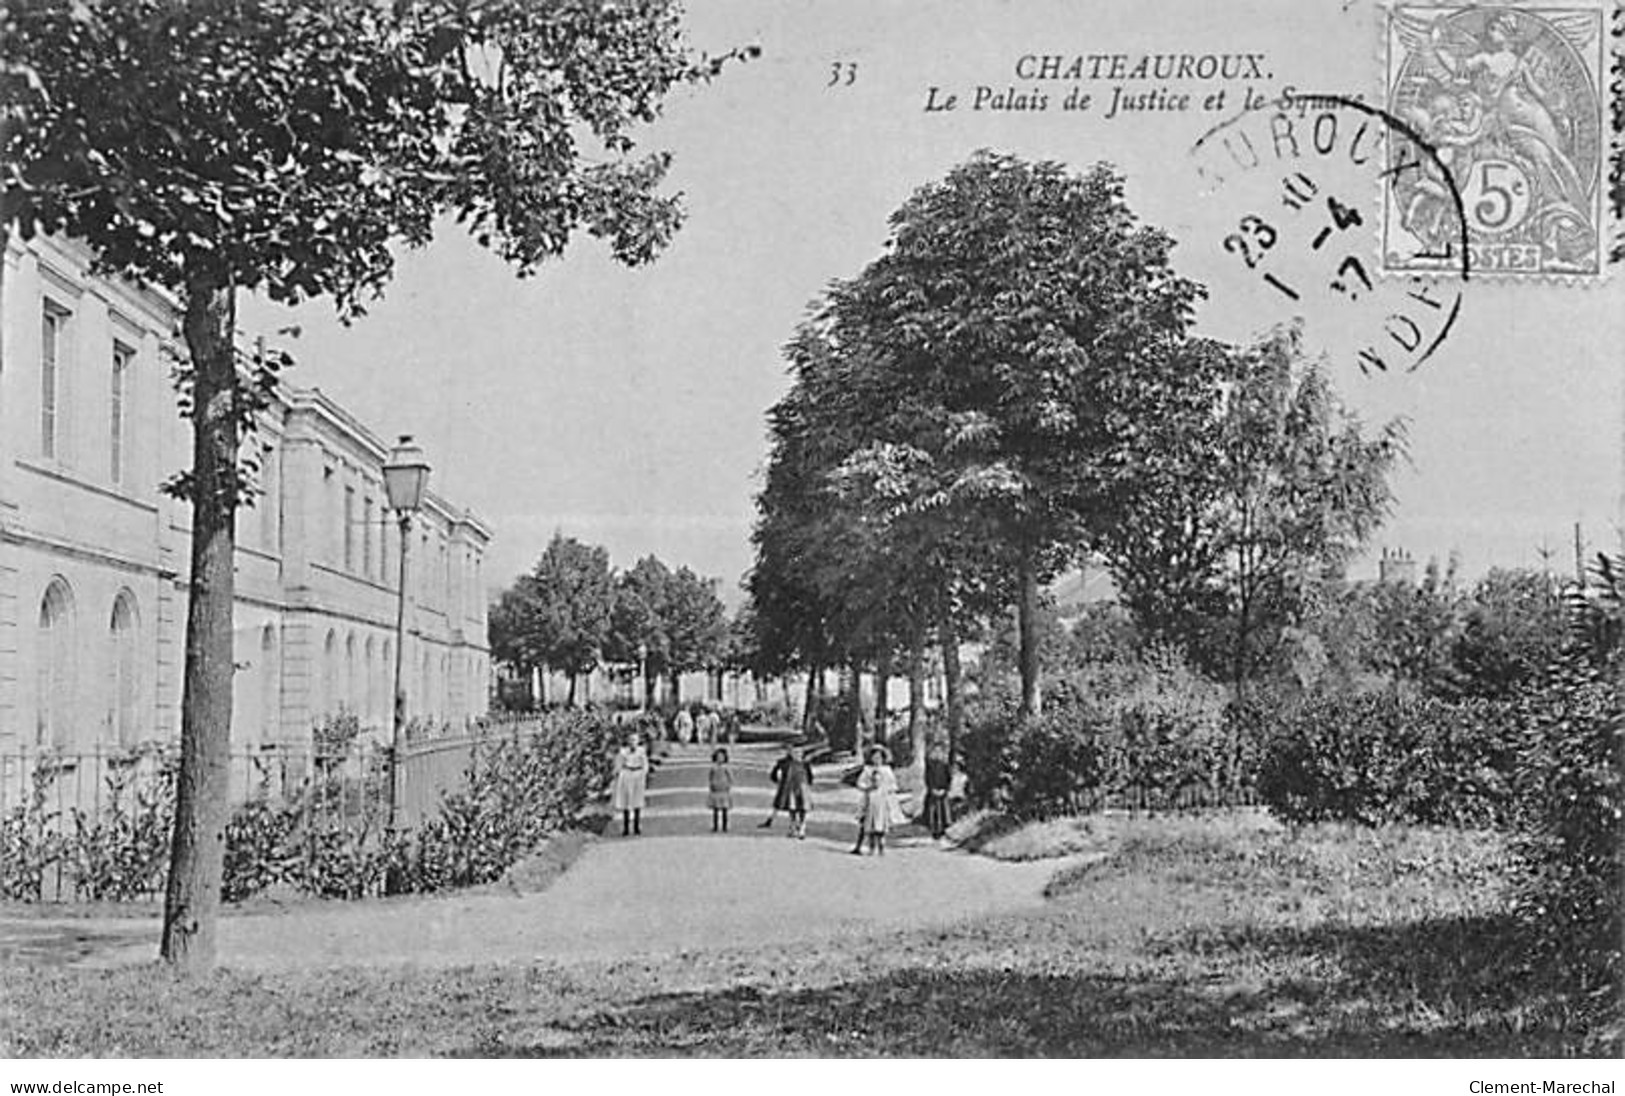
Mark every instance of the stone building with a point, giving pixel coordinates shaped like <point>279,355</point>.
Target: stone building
<point>94,557</point>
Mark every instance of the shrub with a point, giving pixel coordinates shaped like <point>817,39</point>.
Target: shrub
<point>122,851</point>
<point>1149,732</point>
<point>1571,875</point>
<point>1033,768</point>
<point>260,850</point>
<point>523,784</point>
<point>516,792</point>
<point>336,862</point>
<point>1382,757</point>
<point>334,736</point>
<point>29,842</point>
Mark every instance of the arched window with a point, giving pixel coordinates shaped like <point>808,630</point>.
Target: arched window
<point>270,686</point>
<point>123,708</point>
<point>425,687</point>
<point>370,708</point>
<point>55,673</point>
<point>327,701</point>
<point>351,674</point>
<point>386,683</point>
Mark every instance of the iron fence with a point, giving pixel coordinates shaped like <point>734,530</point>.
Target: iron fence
<point>53,801</point>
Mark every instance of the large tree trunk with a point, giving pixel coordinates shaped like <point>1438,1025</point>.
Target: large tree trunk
<point>949,637</point>
<point>916,693</point>
<point>197,850</point>
<point>676,689</point>
<point>862,732</point>
<point>1027,625</point>
<point>814,694</point>
<point>882,678</point>
<point>648,691</point>
<point>570,697</point>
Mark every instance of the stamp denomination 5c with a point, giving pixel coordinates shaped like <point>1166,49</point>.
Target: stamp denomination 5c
<point>1511,100</point>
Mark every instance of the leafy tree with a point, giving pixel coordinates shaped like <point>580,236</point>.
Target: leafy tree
<point>284,147</point>
<point>958,416</point>
<point>1003,348</point>
<point>511,636</point>
<point>1413,627</point>
<point>1512,630</point>
<point>567,600</point>
<point>1249,498</point>
<point>1571,858</point>
<point>695,624</point>
<point>675,618</point>
<point>637,631</point>
<point>1001,654</point>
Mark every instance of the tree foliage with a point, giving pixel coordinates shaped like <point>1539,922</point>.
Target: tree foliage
<point>564,606</point>
<point>286,147</point>
<point>961,409</point>
<point>1253,489</point>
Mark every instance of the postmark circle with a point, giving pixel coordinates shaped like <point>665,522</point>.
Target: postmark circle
<point>1302,184</point>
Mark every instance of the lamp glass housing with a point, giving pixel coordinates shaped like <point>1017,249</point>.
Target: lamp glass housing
<point>406,476</point>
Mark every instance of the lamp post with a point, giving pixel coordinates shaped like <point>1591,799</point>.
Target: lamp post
<point>643,677</point>
<point>406,477</point>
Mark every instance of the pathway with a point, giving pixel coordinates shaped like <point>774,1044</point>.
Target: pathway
<point>676,888</point>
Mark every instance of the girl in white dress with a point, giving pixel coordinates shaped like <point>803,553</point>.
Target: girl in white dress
<point>631,782</point>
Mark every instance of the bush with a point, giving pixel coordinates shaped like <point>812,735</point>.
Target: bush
<point>121,852</point>
<point>1383,757</point>
<point>1033,768</point>
<point>334,736</point>
<point>517,792</point>
<point>328,840</point>
<point>1571,876</point>
<point>260,850</point>
<point>1148,732</point>
<point>29,842</point>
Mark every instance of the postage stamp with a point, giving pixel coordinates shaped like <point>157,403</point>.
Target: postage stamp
<point>1511,99</point>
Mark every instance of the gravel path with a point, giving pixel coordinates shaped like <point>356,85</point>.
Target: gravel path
<point>676,888</point>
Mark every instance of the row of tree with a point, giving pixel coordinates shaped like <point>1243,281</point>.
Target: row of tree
<point>572,613</point>
<point>1013,386</point>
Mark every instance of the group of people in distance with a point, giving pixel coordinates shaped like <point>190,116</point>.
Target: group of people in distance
<point>703,725</point>
<point>792,776</point>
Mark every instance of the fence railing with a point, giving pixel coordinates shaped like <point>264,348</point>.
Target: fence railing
<point>51,798</point>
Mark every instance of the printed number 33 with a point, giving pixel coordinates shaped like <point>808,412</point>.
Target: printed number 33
<point>844,73</point>
<point>1255,233</point>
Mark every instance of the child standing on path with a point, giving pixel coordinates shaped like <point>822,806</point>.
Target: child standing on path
<point>878,783</point>
<point>794,778</point>
<point>721,784</point>
<point>631,781</point>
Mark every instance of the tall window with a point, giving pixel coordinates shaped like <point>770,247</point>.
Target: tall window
<point>369,688</point>
<point>121,716</point>
<point>367,570</point>
<point>327,701</point>
<point>329,516</point>
<point>54,680</point>
<point>53,347</point>
<point>270,687</point>
<point>123,358</point>
<point>349,529</point>
<point>270,500</point>
<point>351,674</point>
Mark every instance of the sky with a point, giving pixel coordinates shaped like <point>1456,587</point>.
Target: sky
<point>626,406</point>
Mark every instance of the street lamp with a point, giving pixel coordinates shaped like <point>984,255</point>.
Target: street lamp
<point>406,477</point>
<point>643,677</point>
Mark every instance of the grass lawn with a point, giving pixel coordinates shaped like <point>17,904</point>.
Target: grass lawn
<point>1179,938</point>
